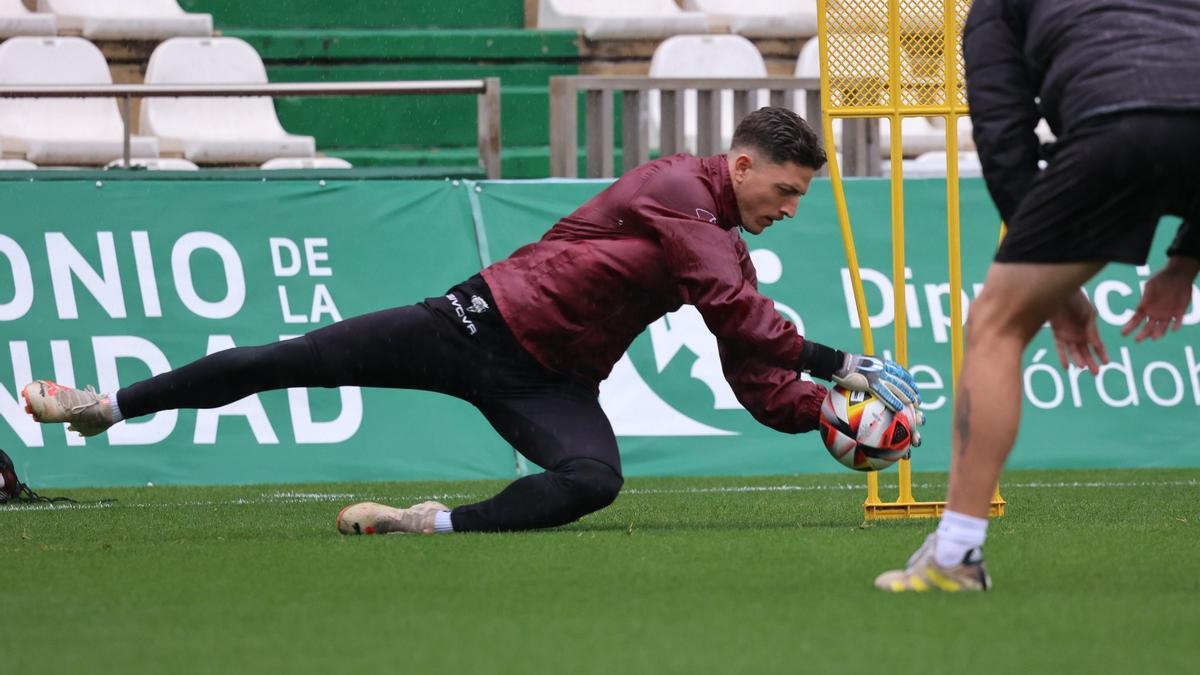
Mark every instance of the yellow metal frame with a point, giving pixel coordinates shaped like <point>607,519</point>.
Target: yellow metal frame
<point>893,59</point>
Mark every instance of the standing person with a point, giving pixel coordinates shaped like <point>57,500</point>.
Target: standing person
<point>529,339</point>
<point>1119,83</point>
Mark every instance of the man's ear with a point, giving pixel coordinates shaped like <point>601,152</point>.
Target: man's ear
<point>742,162</point>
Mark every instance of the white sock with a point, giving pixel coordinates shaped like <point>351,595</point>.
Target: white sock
<point>441,523</point>
<point>116,410</point>
<point>957,534</point>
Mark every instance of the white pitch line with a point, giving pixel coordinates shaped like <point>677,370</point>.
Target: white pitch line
<point>859,486</point>
<point>275,498</point>
<point>317,497</point>
<point>739,488</point>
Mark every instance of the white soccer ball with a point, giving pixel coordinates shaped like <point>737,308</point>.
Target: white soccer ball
<point>862,433</point>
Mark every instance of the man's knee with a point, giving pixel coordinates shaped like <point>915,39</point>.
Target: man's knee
<point>1018,298</point>
<point>592,483</point>
<point>992,317</point>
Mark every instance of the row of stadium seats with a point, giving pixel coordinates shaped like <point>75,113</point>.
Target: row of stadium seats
<point>103,19</point>
<point>88,131</point>
<point>735,56</point>
<point>180,164</point>
<point>207,123</point>
<point>625,19</point>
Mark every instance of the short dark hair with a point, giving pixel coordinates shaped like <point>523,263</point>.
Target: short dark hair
<point>782,135</point>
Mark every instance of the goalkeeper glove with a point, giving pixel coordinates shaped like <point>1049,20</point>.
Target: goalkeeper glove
<point>887,380</point>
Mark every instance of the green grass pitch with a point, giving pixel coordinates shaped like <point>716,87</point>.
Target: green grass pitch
<point>1096,572</point>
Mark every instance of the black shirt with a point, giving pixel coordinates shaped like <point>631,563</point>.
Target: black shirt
<point>1069,61</point>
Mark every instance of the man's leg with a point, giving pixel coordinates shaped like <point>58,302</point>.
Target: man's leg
<point>567,434</point>
<point>406,347</point>
<point>1108,183</point>
<point>1017,299</point>
<point>560,428</point>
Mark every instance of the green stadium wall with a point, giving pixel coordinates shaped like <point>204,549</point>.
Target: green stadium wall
<point>362,14</point>
<point>435,136</point>
<point>106,280</point>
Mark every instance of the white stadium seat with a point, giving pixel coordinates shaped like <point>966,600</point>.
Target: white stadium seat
<point>933,165</point>
<point>216,130</point>
<point>808,64</point>
<point>920,135</point>
<point>704,56</point>
<point>155,164</point>
<point>16,165</point>
<point>620,18</point>
<point>306,163</point>
<point>126,19</point>
<point>16,19</point>
<point>707,56</point>
<point>766,18</point>
<point>61,130</point>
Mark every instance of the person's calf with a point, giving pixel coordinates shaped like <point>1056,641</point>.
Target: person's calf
<point>564,494</point>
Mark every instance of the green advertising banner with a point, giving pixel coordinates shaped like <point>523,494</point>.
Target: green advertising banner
<point>109,282</point>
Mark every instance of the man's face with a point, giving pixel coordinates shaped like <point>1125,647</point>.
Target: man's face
<point>766,191</point>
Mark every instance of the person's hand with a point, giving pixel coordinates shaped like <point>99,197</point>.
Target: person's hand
<point>885,379</point>
<point>1075,334</point>
<point>1164,300</point>
<point>918,420</point>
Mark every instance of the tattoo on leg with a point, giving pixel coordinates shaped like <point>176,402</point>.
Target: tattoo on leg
<point>962,421</point>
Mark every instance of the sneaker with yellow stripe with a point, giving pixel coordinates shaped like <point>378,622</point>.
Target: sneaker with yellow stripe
<point>924,574</point>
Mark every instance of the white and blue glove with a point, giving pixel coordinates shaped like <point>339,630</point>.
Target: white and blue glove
<point>887,380</point>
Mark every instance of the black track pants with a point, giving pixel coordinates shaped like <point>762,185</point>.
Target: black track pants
<point>456,344</point>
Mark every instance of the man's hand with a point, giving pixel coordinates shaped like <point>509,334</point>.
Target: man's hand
<point>918,420</point>
<point>1165,299</point>
<point>1075,334</point>
<point>885,379</point>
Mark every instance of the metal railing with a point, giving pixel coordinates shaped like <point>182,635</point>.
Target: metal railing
<point>488,91</point>
<point>635,134</point>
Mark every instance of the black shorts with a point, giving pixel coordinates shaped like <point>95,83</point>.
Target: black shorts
<point>1105,188</point>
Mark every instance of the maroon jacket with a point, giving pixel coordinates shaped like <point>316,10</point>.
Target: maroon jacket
<point>664,235</point>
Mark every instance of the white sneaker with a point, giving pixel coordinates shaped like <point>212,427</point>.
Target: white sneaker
<point>85,411</point>
<point>372,518</point>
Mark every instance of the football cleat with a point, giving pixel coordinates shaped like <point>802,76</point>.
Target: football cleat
<point>924,574</point>
<point>85,411</point>
<point>372,518</point>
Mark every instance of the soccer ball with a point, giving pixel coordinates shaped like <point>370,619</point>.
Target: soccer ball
<point>860,431</point>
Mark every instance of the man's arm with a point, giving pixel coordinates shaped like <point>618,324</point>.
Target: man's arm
<point>776,397</point>
<point>704,262</point>
<point>1165,297</point>
<point>1001,93</point>
<point>712,272</point>
<point>1187,241</point>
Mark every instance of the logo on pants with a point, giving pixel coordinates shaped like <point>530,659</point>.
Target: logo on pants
<point>462,313</point>
<point>478,305</point>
